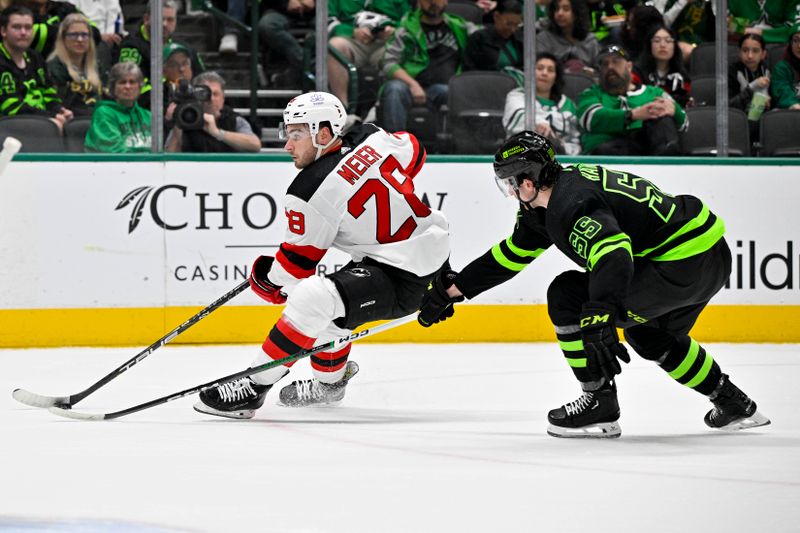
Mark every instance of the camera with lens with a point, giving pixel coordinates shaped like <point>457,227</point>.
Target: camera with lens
<point>189,98</point>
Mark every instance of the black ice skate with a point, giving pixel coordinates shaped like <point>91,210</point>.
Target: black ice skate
<point>593,415</point>
<point>310,392</point>
<point>236,399</point>
<point>733,409</point>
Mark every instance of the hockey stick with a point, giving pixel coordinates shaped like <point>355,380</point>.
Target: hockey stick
<point>67,413</point>
<point>39,400</point>
<point>10,147</point>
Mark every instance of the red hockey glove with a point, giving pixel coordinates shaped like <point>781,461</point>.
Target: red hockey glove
<point>260,283</point>
<point>600,340</point>
<point>436,305</point>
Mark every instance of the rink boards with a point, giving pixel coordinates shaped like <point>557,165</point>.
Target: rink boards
<point>118,251</point>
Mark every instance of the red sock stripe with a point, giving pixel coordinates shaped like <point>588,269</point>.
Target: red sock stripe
<point>293,335</point>
<point>273,351</point>
<point>322,361</point>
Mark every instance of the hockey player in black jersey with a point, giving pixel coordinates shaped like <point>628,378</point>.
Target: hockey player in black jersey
<point>652,262</point>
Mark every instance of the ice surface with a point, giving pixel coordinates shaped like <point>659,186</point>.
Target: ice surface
<point>439,438</point>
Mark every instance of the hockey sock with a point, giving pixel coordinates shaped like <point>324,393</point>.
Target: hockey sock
<point>569,339</point>
<point>689,364</point>
<point>329,367</point>
<point>283,340</point>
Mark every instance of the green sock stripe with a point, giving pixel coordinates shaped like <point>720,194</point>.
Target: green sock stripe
<point>571,346</point>
<point>703,373</point>
<point>577,362</point>
<point>688,361</point>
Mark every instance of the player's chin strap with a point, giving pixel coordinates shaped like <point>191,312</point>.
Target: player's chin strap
<point>529,203</point>
<point>322,148</point>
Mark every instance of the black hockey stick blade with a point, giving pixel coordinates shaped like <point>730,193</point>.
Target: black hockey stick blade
<point>69,413</point>
<point>40,400</point>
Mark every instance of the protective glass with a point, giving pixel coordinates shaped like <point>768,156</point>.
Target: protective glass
<point>295,135</point>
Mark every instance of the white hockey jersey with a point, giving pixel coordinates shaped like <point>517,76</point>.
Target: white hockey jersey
<point>361,200</point>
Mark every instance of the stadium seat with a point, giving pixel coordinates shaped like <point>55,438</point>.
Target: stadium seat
<point>776,139</point>
<point>36,133</point>
<point>75,132</point>
<point>476,100</point>
<point>701,137</point>
<point>703,59</point>
<point>575,84</point>
<point>466,10</point>
<point>775,53</point>
<point>704,90</point>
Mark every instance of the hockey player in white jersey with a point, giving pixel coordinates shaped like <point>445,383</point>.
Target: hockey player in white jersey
<point>354,193</point>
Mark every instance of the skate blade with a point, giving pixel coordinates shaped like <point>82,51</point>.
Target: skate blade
<point>605,430</point>
<point>239,414</point>
<point>307,405</point>
<point>755,421</point>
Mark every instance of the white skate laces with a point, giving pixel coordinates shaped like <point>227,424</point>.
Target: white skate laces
<point>309,389</point>
<point>580,404</point>
<point>236,390</point>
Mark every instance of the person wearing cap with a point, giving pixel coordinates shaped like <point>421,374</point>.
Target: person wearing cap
<point>619,117</point>
<point>135,47</point>
<point>223,130</point>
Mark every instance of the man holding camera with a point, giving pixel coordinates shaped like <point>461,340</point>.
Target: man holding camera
<point>203,123</point>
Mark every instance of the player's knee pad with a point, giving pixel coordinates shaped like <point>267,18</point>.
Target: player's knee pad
<point>651,343</point>
<point>313,305</point>
<point>565,297</point>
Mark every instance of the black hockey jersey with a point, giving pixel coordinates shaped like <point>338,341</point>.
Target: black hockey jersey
<point>26,91</point>
<point>603,220</point>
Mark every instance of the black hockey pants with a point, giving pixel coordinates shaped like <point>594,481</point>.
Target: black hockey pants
<point>665,299</point>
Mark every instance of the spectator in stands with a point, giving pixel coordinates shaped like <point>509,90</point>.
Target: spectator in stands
<point>661,65</point>
<point>773,20</point>
<point>359,33</point>
<point>120,125</point>
<point>621,118</point>
<point>692,20</point>
<point>748,77</point>
<point>107,16</point>
<point>237,10</point>
<point>498,46</point>
<point>554,113</point>
<point>25,86</point>
<point>222,131</point>
<point>425,51</point>
<point>47,17</point>
<point>135,47</point>
<point>567,36</point>
<point>73,67</point>
<point>177,72</point>
<point>639,20</point>
<point>273,30</point>
<point>786,75</point>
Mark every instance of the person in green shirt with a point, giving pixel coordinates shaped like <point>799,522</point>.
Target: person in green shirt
<point>785,84</point>
<point>772,20</point>
<point>120,126</point>
<point>619,117</point>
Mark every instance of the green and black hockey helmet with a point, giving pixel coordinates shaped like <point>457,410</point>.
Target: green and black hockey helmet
<point>525,155</point>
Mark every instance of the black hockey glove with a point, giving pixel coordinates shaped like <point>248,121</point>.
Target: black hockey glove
<point>260,283</point>
<point>436,305</point>
<point>600,340</point>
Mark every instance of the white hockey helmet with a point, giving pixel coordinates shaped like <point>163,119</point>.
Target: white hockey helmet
<point>314,108</point>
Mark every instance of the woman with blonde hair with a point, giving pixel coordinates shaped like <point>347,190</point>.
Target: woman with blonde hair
<point>73,66</point>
